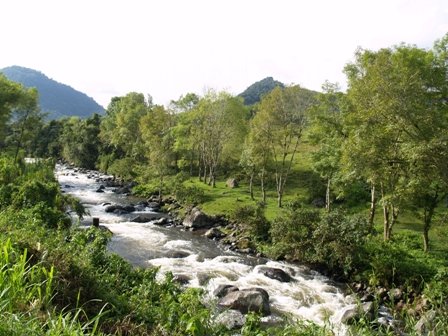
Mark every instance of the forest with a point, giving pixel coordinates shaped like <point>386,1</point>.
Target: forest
<point>353,183</point>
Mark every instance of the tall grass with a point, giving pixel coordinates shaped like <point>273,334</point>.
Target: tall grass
<point>26,292</point>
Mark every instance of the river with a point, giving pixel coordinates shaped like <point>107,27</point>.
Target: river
<point>203,262</point>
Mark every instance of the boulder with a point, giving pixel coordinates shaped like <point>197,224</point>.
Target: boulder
<point>99,190</point>
<point>247,300</point>
<point>113,208</point>
<point>129,208</point>
<point>426,326</point>
<point>181,279</point>
<point>214,233</point>
<point>232,183</point>
<point>161,221</point>
<point>145,218</point>
<point>231,319</point>
<point>356,312</point>
<point>197,219</point>
<point>223,290</point>
<point>154,206</point>
<point>275,273</point>
<point>178,254</point>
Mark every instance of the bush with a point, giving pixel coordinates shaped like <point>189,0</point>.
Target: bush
<point>393,264</point>
<point>33,192</point>
<point>190,195</point>
<point>253,221</point>
<point>332,240</point>
<point>292,232</point>
<point>337,240</point>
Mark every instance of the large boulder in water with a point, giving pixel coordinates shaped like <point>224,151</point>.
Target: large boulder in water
<point>223,290</point>
<point>196,219</point>
<point>113,208</point>
<point>247,300</point>
<point>275,273</point>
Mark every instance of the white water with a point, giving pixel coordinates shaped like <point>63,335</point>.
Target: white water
<point>309,296</point>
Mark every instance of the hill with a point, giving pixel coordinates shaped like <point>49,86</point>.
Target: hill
<point>254,92</point>
<point>56,99</point>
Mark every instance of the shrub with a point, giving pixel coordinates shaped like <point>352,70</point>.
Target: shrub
<point>292,232</point>
<point>253,221</point>
<point>337,239</point>
<point>190,195</point>
<point>32,192</point>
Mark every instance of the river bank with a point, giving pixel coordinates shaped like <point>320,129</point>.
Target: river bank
<point>180,258</point>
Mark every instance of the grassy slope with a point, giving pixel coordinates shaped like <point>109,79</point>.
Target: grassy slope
<point>303,185</point>
<point>223,200</point>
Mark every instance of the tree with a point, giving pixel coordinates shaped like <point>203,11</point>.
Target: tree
<point>327,134</point>
<point>48,140</point>
<point>25,124</point>
<point>120,126</point>
<point>427,148</point>
<point>122,145</point>
<point>80,141</point>
<point>156,130</point>
<point>279,122</point>
<point>14,98</point>
<point>218,130</point>
<point>396,115</point>
<point>256,158</point>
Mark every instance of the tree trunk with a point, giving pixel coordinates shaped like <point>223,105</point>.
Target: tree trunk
<point>386,214</point>
<point>251,186</point>
<point>372,206</point>
<point>426,238</point>
<point>263,189</point>
<point>427,218</point>
<point>279,199</point>
<point>327,195</point>
<point>279,191</point>
<point>205,174</point>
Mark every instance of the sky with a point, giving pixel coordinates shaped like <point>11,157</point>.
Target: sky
<point>168,48</point>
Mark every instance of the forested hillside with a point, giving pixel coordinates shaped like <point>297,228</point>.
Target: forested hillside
<point>56,99</point>
<point>257,90</point>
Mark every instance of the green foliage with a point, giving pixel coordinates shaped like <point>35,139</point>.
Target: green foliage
<point>395,263</point>
<point>278,127</point>
<point>337,240</point>
<point>257,90</point>
<point>331,239</point>
<point>33,192</point>
<point>292,232</point>
<point>253,220</point>
<point>189,195</point>
<point>80,142</point>
<point>123,168</point>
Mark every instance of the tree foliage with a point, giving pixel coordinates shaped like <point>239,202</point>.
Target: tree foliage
<point>280,120</point>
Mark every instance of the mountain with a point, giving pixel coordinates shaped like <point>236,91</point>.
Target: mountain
<point>254,92</point>
<point>56,99</point>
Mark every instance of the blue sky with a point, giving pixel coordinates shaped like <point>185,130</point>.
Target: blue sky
<point>167,48</point>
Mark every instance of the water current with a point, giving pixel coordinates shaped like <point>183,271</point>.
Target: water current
<point>202,262</point>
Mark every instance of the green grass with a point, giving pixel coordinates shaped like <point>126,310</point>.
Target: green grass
<point>301,185</point>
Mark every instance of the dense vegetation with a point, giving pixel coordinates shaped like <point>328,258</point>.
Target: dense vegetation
<point>314,169</point>
<point>257,90</point>
<point>55,99</point>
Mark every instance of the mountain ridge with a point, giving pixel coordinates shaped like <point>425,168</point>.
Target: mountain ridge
<point>57,99</point>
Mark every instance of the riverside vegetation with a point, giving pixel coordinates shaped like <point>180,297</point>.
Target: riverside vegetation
<point>314,170</point>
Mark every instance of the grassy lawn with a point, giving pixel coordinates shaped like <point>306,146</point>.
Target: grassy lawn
<point>301,180</point>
